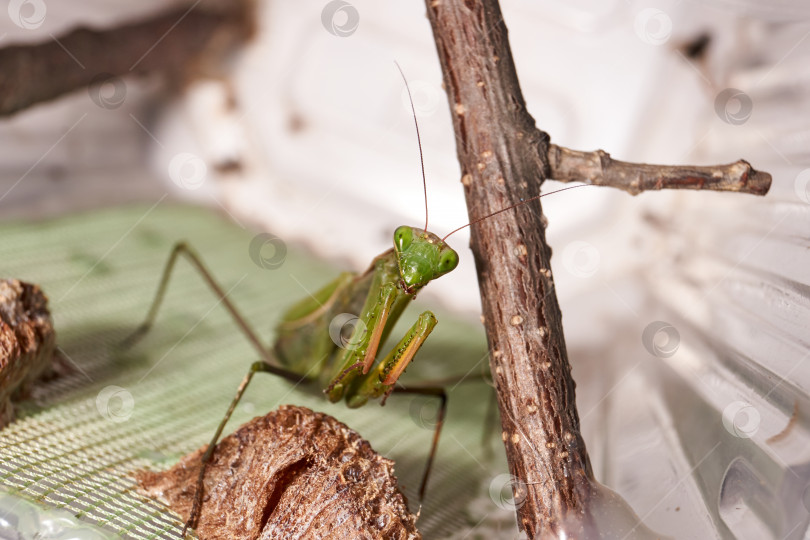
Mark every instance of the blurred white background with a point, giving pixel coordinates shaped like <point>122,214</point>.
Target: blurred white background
<point>311,137</point>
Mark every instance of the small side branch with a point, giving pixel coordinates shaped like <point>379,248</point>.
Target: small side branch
<point>599,169</point>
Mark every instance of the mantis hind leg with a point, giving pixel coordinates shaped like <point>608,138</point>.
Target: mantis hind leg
<point>256,367</point>
<point>439,393</point>
<point>181,248</point>
<point>437,389</point>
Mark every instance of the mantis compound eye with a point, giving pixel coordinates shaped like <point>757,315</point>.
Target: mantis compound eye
<point>403,237</point>
<point>448,261</point>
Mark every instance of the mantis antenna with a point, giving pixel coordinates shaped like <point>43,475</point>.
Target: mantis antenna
<point>424,179</point>
<point>514,206</point>
<point>418,139</point>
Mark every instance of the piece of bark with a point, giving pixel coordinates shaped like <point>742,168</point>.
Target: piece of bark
<point>291,474</point>
<point>27,341</point>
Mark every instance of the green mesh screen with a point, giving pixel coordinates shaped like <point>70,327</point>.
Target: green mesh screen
<point>80,436</point>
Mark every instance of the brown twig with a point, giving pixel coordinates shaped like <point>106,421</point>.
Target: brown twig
<point>599,169</point>
<point>175,42</point>
<point>500,148</point>
<point>504,159</point>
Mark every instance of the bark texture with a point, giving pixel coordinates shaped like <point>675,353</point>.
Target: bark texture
<point>292,474</point>
<point>503,161</point>
<point>27,341</point>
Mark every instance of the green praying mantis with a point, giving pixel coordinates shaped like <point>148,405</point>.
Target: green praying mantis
<point>305,340</point>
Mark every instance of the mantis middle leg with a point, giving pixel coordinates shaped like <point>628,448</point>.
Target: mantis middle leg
<point>256,367</point>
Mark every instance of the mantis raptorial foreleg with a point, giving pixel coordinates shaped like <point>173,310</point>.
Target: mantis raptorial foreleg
<point>381,381</point>
<point>351,375</point>
<point>366,337</point>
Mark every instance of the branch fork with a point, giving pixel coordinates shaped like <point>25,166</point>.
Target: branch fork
<point>499,147</point>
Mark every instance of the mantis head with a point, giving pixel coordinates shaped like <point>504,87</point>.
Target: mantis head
<point>422,256</point>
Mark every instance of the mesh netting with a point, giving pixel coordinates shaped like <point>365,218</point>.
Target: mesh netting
<point>80,436</point>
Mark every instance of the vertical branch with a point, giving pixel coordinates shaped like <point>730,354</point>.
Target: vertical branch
<point>503,158</point>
